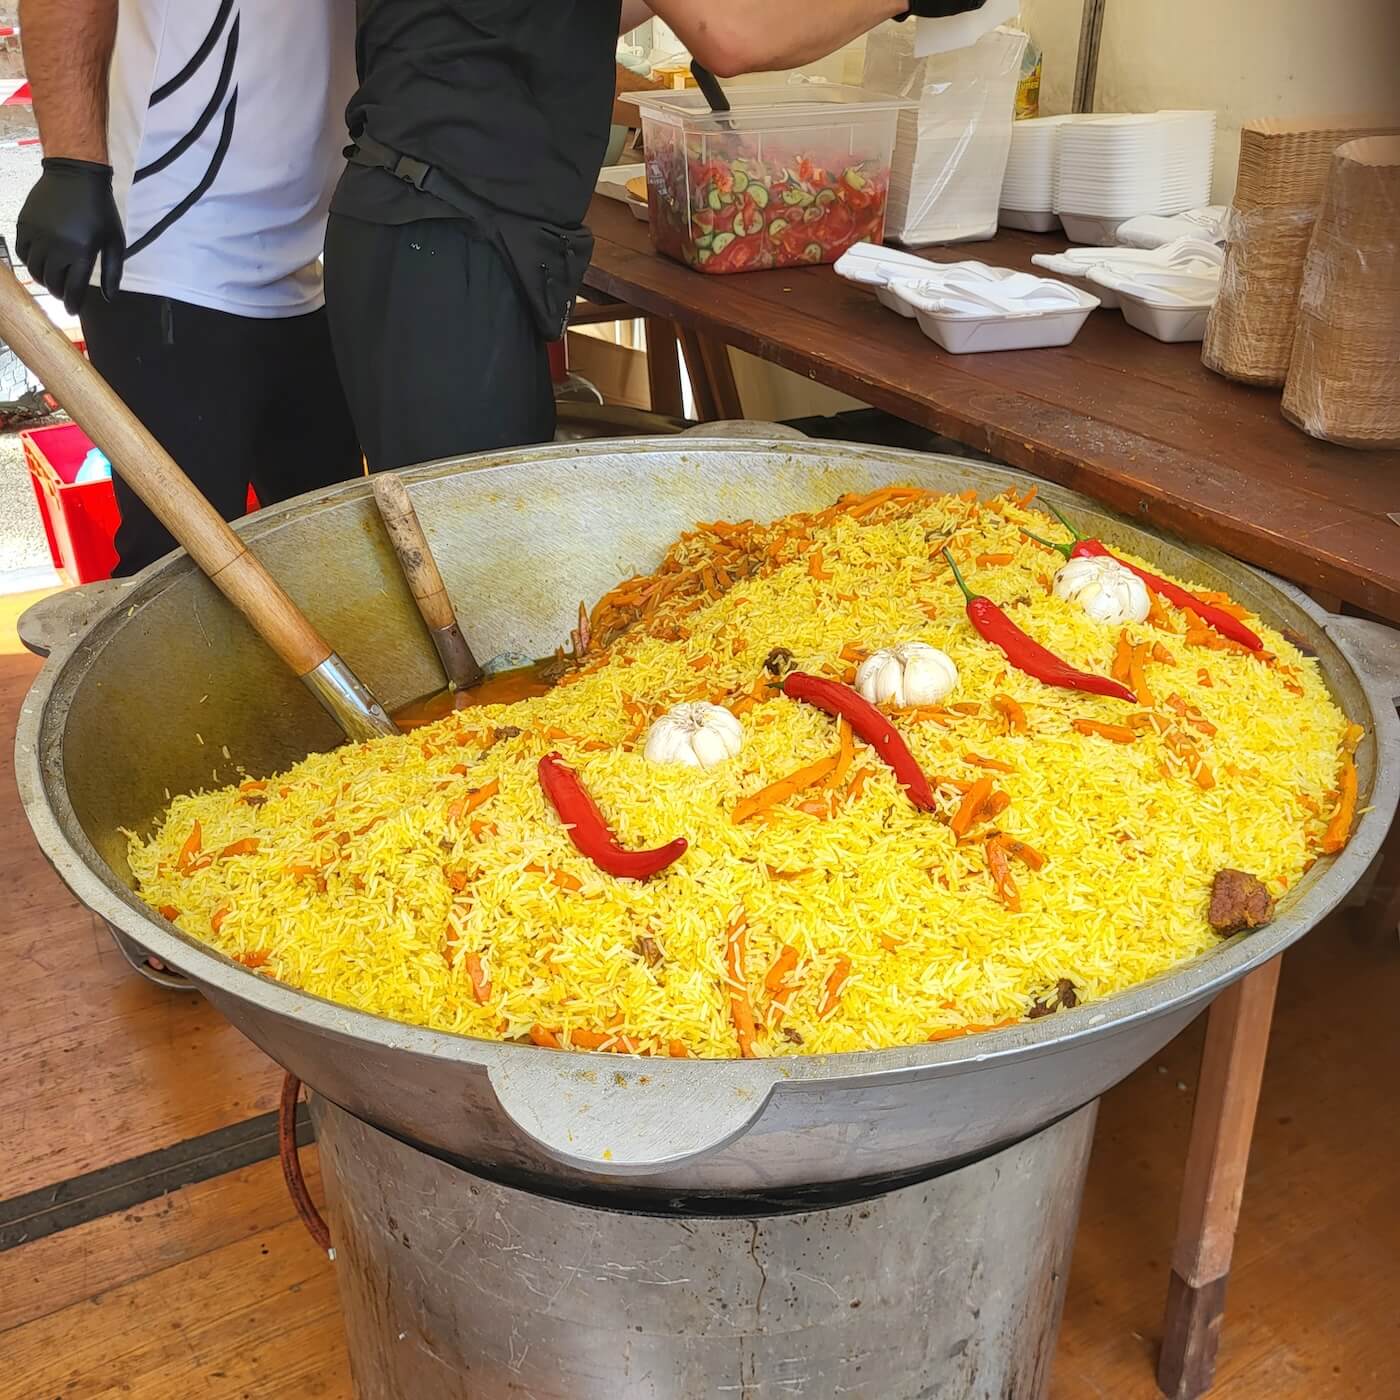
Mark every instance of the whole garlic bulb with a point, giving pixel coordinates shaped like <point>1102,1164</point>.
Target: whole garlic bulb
<point>912,673</point>
<point>698,735</point>
<point>1106,591</point>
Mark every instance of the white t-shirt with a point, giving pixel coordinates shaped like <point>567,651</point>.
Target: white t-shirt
<point>226,130</point>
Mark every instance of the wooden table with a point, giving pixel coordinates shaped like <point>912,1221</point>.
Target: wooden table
<point>1143,427</point>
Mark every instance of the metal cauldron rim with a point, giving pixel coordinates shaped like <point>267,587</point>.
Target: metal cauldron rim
<point>42,791</point>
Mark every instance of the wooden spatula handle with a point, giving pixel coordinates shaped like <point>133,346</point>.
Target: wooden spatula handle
<point>411,545</point>
<point>150,471</point>
<point>425,580</point>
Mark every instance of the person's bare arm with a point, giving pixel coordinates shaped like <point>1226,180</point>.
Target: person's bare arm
<point>634,12</point>
<point>754,36</point>
<point>67,51</point>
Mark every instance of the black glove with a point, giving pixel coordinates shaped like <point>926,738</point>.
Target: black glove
<point>940,9</point>
<point>68,221</point>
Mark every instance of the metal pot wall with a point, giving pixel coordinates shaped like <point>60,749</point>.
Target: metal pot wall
<point>110,730</point>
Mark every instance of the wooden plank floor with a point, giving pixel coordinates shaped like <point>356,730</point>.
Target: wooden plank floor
<point>215,1290</point>
<point>91,1051</point>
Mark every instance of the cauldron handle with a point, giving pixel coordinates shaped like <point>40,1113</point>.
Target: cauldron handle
<point>623,1115</point>
<point>61,618</point>
<point>174,499</point>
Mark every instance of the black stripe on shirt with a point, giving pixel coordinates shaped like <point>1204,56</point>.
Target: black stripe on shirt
<point>205,48</point>
<point>196,194</point>
<point>205,117</point>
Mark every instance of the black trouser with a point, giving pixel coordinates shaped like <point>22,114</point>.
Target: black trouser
<point>233,399</point>
<point>437,351</point>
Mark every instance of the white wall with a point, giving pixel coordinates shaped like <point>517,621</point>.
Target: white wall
<point>1244,58</point>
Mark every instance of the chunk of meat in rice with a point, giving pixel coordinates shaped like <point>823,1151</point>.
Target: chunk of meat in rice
<point>1062,998</point>
<point>779,662</point>
<point>1238,901</point>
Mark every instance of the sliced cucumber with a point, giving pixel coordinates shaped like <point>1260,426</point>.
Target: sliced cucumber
<point>703,255</point>
<point>812,214</point>
<point>826,197</point>
<point>777,227</point>
<point>715,201</point>
<point>813,252</point>
<point>721,242</point>
<point>704,240</point>
<point>741,182</point>
<point>759,195</point>
<point>854,178</point>
<point>796,197</point>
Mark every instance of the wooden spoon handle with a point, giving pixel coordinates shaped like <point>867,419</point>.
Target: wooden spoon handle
<point>411,545</point>
<point>424,579</point>
<point>150,471</point>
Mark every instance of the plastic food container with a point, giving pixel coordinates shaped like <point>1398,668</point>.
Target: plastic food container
<point>961,334</point>
<point>1166,305</point>
<point>1089,228</point>
<point>1098,270</point>
<point>790,176</point>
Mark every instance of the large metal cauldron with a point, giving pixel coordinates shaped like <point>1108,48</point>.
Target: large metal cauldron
<point>160,687</point>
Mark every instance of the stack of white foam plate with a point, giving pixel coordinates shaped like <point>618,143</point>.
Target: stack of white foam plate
<point>1111,168</point>
<point>1028,187</point>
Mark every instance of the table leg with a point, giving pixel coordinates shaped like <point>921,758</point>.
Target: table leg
<point>1222,1124</point>
<point>664,367</point>
<point>711,377</point>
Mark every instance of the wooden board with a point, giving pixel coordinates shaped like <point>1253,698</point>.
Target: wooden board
<point>217,1292</point>
<point>177,1297</point>
<point>1140,425</point>
<point>96,1064</point>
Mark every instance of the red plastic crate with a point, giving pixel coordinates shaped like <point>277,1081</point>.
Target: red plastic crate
<point>79,521</point>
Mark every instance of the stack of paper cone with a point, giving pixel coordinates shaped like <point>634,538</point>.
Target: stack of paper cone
<point>1344,375</point>
<point>1282,175</point>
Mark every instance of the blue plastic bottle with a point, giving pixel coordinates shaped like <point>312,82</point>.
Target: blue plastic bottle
<point>95,467</point>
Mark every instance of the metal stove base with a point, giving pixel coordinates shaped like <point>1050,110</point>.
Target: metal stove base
<point>455,1287</point>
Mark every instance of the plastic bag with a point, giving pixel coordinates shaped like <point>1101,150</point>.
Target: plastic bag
<point>1341,382</point>
<point>1028,86</point>
<point>950,151</point>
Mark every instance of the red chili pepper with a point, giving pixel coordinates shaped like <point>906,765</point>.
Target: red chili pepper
<point>589,832</point>
<point>1180,597</point>
<point>868,724</point>
<point>1026,654</point>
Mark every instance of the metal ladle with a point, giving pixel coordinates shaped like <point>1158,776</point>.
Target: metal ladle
<point>176,502</point>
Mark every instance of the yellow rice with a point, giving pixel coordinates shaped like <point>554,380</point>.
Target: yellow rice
<point>373,920</point>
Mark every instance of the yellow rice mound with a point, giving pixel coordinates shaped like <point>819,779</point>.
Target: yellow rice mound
<point>373,886</point>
